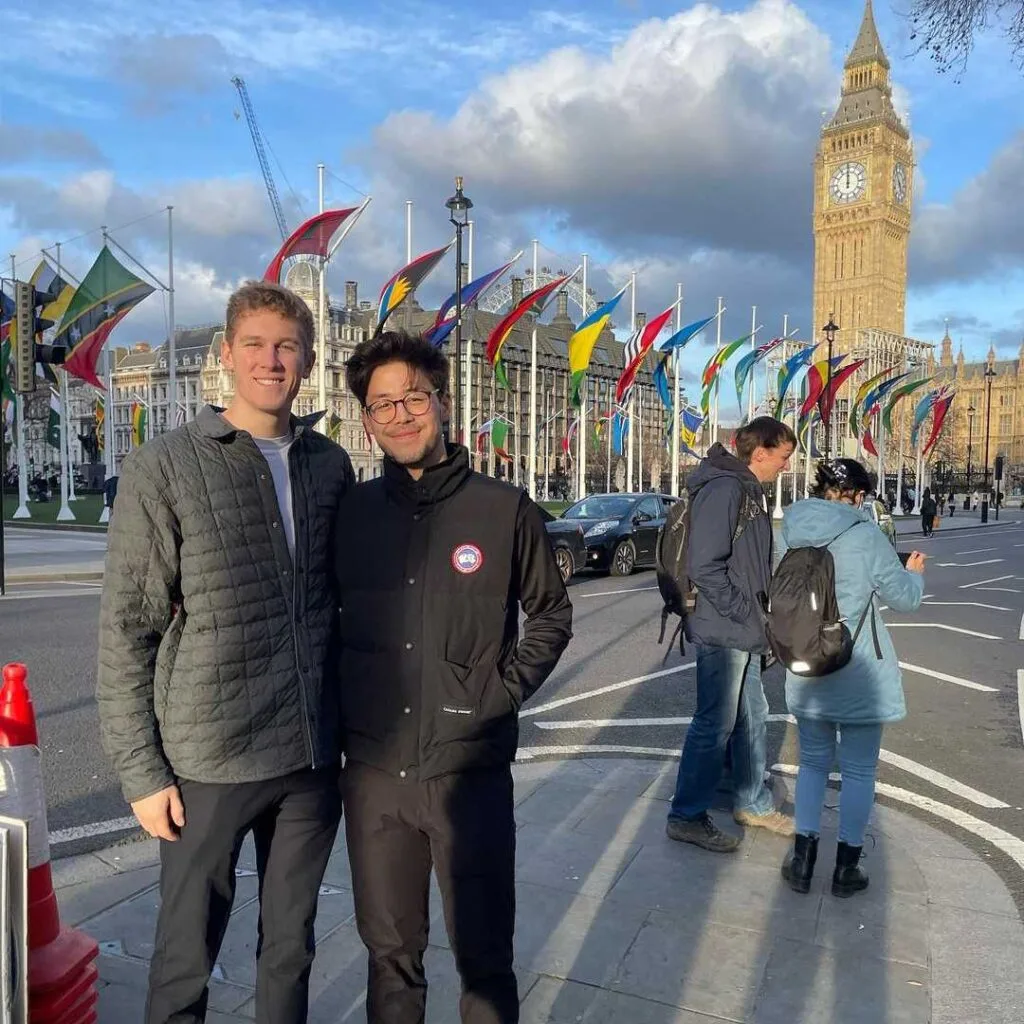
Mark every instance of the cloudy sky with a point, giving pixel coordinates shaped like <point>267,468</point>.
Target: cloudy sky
<point>677,140</point>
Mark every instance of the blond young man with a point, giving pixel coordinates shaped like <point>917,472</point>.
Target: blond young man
<point>217,617</point>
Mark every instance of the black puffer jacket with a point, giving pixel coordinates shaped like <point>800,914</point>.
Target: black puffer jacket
<point>213,638</point>
<point>729,553</point>
<point>432,575</point>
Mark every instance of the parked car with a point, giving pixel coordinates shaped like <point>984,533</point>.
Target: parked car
<point>883,519</point>
<point>567,540</point>
<point>620,530</point>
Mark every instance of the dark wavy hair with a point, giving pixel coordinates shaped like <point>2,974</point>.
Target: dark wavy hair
<point>395,347</point>
<point>843,477</point>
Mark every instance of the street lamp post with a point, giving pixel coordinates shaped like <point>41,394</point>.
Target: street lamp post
<point>830,336</point>
<point>970,438</point>
<point>459,206</point>
<point>990,374</point>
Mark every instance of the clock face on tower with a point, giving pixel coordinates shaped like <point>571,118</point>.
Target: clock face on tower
<point>899,183</point>
<point>848,182</point>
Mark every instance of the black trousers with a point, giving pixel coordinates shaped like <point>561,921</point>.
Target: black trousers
<point>463,825</point>
<point>294,821</point>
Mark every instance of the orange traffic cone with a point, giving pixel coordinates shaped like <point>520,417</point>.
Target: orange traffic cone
<point>61,975</point>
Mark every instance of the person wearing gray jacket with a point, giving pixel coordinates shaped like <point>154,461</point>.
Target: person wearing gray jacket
<point>217,620</point>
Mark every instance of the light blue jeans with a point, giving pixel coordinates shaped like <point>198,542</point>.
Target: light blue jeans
<point>858,747</point>
<point>732,714</point>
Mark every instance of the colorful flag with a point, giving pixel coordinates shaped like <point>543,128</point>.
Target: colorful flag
<point>581,344</point>
<point>107,294</point>
<point>690,425</point>
<point>863,391</point>
<point>924,406</point>
<point>444,322</point>
<point>534,303</point>
<point>138,418</point>
<point>869,443</point>
<point>53,422</point>
<point>570,434</point>
<point>53,293</point>
<point>496,431</point>
<point>941,411</point>
<point>6,385</point>
<point>899,393</point>
<point>334,426</point>
<point>816,378</point>
<point>636,351</point>
<point>788,373</point>
<point>828,395</point>
<point>714,365</point>
<point>874,400</point>
<point>805,435</point>
<point>311,238</point>
<point>406,281</point>
<point>100,417</point>
<point>746,366</point>
<point>620,430</point>
<point>682,336</point>
<point>660,378</point>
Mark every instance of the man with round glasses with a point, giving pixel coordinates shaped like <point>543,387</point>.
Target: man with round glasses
<point>433,563</point>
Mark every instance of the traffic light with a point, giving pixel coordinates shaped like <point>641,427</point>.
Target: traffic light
<point>999,467</point>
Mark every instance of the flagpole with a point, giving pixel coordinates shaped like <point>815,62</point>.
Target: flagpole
<point>753,377</point>
<point>609,430</point>
<point>777,511</point>
<point>22,511</point>
<point>629,411</point>
<point>640,435</point>
<point>467,354</point>
<point>796,413</point>
<point>676,360</point>
<point>321,328</point>
<point>532,457</point>
<point>65,514</point>
<point>172,358</point>
<point>807,460</point>
<point>581,441</point>
<point>918,478</point>
<point>881,450</point>
<point>718,346</point>
<point>66,403</point>
<point>408,260</point>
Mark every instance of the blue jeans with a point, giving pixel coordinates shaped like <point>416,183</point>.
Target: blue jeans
<point>732,714</point>
<point>858,747</point>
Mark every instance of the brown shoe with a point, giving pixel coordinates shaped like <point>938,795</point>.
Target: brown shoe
<point>774,821</point>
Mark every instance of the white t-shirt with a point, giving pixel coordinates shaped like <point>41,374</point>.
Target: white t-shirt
<point>275,451</point>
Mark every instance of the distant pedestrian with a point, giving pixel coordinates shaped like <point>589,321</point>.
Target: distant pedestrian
<point>928,510</point>
<point>729,562</point>
<point>951,504</point>
<point>110,492</point>
<point>859,698</point>
<point>217,615</point>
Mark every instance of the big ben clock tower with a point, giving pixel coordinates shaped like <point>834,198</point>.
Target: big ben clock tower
<point>863,176</point>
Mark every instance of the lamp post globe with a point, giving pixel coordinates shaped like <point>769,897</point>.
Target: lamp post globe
<point>970,439</point>
<point>458,206</point>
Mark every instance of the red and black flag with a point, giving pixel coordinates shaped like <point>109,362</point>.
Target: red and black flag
<point>312,238</point>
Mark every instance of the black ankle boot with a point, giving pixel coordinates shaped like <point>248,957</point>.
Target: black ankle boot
<point>849,877</point>
<point>798,867</point>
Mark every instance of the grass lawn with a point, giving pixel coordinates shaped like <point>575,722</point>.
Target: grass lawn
<point>556,508</point>
<point>87,510</point>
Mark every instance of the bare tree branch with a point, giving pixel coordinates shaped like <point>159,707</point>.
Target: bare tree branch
<point>946,29</point>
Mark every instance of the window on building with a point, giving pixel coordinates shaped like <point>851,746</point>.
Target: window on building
<point>1006,423</point>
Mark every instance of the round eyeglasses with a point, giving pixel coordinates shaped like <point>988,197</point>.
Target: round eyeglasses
<point>415,403</point>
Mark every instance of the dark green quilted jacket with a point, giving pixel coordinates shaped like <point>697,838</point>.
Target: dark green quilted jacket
<point>213,638</point>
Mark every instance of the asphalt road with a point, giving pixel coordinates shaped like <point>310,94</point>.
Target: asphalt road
<point>957,760</point>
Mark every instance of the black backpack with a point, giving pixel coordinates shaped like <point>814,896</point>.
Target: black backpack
<point>802,619</point>
<point>678,594</point>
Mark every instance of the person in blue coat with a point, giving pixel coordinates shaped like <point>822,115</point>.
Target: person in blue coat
<point>844,712</point>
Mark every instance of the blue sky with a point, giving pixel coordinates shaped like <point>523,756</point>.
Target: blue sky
<point>673,138</point>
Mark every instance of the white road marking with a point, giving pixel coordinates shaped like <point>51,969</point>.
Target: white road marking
<point>525,753</point>
<point>999,590</point>
<point>966,604</point>
<point>1020,635</point>
<point>562,701</point>
<point>95,592</point>
<point>999,838</point>
<point>942,625</point>
<point>979,551</point>
<point>917,669</point>
<point>968,565</point>
<point>942,781</point>
<point>885,607</point>
<point>1020,699</point>
<point>611,593</point>
<point>981,583</point>
<point>611,723</point>
<point>97,828</point>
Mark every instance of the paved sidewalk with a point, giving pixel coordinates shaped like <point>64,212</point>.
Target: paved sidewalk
<point>619,925</point>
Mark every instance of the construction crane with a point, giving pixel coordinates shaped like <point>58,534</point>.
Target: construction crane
<point>261,155</point>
